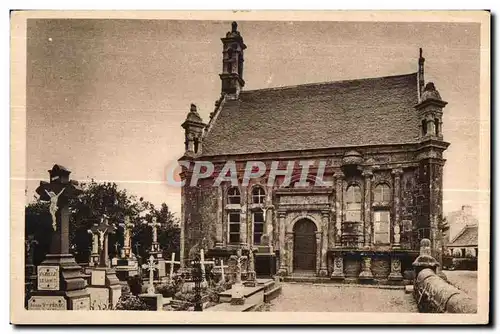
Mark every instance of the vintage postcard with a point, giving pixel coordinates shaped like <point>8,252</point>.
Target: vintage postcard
<point>287,167</point>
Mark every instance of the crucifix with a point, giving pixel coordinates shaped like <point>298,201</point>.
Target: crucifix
<point>104,229</point>
<point>127,228</point>
<point>117,245</point>
<point>172,263</point>
<point>238,257</point>
<point>154,225</point>
<point>59,191</point>
<point>202,264</point>
<point>151,266</point>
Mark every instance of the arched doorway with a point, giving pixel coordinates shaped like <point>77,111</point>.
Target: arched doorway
<point>304,246</point>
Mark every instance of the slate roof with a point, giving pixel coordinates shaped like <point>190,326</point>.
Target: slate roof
<point>467,237</point>
<point>323,115</point>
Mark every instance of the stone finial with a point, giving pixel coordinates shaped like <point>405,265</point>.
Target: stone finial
<point>193,108</point>
<point>234,26</point>
<point>425,259</point>
<point>430,92</point>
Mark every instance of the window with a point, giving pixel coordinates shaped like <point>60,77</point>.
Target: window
<point>258,226</point>
<point>382,194</point>
<point>424,127</point>
<point>352,204</point>
<point>233,196</point>
<point>234,227</point>
<point>258,195</point>
<point>381,221</point>
<point>436,126</point>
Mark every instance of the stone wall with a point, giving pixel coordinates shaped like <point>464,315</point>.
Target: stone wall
<point>434,295</point>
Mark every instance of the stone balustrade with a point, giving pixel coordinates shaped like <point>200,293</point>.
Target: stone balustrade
<point>432,293</point>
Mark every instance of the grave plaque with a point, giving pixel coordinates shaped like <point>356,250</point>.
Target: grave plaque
<point>48,278</point>
<point>55,303</point>
<point>81,303</point>
<point>98,277</point>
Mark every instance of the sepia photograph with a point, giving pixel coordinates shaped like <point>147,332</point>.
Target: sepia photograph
<point>287,167</point>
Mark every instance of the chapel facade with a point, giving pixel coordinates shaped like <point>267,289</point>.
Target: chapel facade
<point>376,144</point>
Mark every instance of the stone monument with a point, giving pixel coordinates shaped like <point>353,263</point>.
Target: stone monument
<point>156,251</point>
<point>60,282</point>
<point>151,298</point>
<point>105,288</point>
<point>127,265</point>
<point>237,296</point>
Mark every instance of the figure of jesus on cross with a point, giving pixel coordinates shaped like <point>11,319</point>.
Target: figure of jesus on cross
<point>151,266</point>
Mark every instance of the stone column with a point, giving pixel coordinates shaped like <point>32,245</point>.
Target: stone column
<point>319,260</point>
<point>269,225</point>
<point>368,174</point>
<point>339,180</point>
<point>289,251</point>
<point>219,232</point>
<point>281,226</point>
<point>243,218</point>
<point>397,193</point>
<point>323,270</point>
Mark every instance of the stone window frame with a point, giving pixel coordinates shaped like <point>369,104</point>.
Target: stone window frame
<point>344,202</point>
<point>388,231</point>
<point>263,223</point>
<point>382,203</point>
<point>229,196</point>
<point>229,223</point>
<point>261,196</point>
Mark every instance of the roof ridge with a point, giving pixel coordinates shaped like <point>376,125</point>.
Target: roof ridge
<point>312,84</point>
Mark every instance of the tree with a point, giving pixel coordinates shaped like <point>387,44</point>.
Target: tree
<point>96,200</point>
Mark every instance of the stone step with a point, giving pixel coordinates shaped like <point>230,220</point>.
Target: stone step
<point>272,294</point>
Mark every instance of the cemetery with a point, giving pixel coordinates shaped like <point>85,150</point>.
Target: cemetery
<point>130,277</point>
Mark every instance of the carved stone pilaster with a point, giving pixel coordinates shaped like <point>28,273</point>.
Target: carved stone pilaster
<point>339,179</point>
<point>368,175</point>
<point>281,226</point>
<point>269,225</point>
<point>325,217</point>
<point>397,172</point>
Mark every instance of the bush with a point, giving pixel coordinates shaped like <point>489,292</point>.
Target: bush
<point>168,289</point>
<point>135,284</point>
<point>130,302</point>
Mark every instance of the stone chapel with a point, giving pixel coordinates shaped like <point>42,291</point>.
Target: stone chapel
<point>383,145</point>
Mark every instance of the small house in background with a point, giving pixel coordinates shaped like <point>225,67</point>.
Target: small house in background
<point>461,240</point>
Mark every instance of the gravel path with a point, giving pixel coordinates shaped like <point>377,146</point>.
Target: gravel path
<point>465,280</point>
<point>303,297</point>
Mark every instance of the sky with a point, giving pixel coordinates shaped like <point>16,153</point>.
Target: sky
<point>106,98</point>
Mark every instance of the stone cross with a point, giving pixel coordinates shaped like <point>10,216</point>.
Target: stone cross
<point>154,225</point>
<point>104,229</point>
<point>151,266</point>
<point>117,245</point>
<point>172,263</point>
<point>59,191</point>
<point>202,264</point>
<point>222,267</point>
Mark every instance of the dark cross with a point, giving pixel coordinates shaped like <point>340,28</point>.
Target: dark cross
<point>59,191</point>
<point>104,229</point>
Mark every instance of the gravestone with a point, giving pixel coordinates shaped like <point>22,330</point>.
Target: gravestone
<point>151,298</point>
<point>60,282</point>
<point>237,296</point>
<point>103,278</point>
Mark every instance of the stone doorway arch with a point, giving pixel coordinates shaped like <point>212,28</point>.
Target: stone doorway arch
<point>304,246</point>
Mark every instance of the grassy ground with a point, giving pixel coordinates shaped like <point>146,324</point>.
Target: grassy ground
<point>304,297</point>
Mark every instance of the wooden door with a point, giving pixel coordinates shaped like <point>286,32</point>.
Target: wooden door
<point>304,246</point>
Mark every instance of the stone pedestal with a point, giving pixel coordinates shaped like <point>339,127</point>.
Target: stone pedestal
<point>395,275</point>
<point>154,301</point>
<point>94,259</point>
<point>156,252</point>
<point>338,268</point>
<point>237,296</point>
<point>104,283</point>
<point>126,268</point>
<point>366,274</point>
<point>60,285</point>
